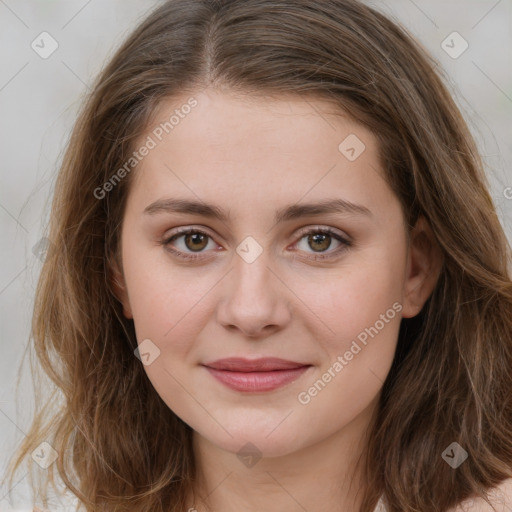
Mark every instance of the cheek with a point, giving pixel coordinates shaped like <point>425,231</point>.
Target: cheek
<point>356,295</point>
<point>167,301</point>
<point>362,308</point>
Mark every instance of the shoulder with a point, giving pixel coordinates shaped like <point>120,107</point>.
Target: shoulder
<point>500,497</point>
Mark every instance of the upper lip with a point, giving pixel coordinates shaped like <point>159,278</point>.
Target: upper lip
<point>240,364</point>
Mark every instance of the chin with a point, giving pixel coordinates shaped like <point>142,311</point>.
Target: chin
<point>246,439</point>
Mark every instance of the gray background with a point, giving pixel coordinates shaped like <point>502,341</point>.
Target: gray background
<point>39,100</point>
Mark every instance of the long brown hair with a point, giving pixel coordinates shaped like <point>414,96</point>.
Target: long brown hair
<point>119,446</point>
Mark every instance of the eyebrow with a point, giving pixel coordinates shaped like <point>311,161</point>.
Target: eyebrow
<point>291,212</point>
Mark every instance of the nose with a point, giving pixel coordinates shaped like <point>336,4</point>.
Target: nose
<point>255,299</point>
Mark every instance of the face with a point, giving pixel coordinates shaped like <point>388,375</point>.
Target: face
<point>254,270</point>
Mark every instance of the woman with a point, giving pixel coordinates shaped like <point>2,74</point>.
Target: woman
<point>277,278</point>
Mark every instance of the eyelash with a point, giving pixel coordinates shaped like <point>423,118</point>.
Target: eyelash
<point>346,244</point>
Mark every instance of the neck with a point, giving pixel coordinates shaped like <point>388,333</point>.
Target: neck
<point>326,474</point>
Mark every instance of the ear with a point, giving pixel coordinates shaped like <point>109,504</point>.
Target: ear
<point>118,284</point>
<point>424,264</point>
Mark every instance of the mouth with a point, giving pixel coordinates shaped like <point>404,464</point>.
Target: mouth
<point>257,375</point>
<point>263,364</point>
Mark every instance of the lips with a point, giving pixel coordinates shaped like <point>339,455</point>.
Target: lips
<point>267,364</point>
<point>259,375</point>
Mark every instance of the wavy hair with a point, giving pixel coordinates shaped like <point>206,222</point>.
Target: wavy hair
<point>119,446</point>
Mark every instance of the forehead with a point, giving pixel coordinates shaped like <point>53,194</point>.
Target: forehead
<point>236,148</point>
<point>220,120</point>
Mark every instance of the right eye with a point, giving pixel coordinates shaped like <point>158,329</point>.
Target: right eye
<point>194,240</point>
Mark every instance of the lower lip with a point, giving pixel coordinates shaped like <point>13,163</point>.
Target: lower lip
<point>257,381</point>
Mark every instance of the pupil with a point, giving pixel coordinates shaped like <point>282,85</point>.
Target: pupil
<point>196,238</point>
<point>319,237</point>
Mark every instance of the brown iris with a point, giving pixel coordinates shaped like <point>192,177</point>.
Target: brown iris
<point>322,240</point>
<point>198,241</point>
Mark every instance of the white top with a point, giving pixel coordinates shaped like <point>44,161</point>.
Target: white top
<point>381,507</point>
<point>500,497</point>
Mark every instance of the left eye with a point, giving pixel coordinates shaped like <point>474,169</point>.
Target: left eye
<point>196,241</point>
<point>321,239</point>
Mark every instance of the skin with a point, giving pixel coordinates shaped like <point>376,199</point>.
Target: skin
<point>253,156</point>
